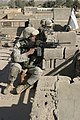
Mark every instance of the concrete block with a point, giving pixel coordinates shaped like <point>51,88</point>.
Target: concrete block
<point>59,62</point>
<point>48,64</point>
<point>2,15</point>
<point>74,88</point>
<point>69,37</point>
<point>66,110</point>
<point>44,15</point>
<point>78,40</point>
<point>10,15</point>
<point>53,53</point>
<point>46,82</point>
<point>55,93</point>
<point>35,23</point>
<point>69,100</point>
<point>58,23</point>
<point>64,88</point>
<point>10,31</point>
<point>70,51</point>
<point>66,103</point>
<point>43,105</point>
<point>61,13</point>
<point>77,109</point>
<point>20,16</point>
<point>30,9</point>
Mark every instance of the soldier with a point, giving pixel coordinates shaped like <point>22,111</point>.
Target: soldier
<point>24,60</point>
<point>49,26</point>
<point>41,36</point>
<point>45,29</point>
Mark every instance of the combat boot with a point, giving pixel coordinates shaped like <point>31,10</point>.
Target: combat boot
<point>21,88</point>
<point>12,77</point>
<point>8,88</point>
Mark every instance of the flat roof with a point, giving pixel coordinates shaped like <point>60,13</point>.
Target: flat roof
<point>6,20</point>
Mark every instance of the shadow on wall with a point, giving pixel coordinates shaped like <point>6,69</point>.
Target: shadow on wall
<point>69,71</point>
<point>67,68</point>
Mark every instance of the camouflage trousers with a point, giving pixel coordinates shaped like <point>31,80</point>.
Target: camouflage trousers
<point>16,68</point>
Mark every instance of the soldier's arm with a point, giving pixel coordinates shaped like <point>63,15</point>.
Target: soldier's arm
<point>18,57</point>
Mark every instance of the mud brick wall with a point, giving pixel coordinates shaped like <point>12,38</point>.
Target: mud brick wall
<point>61,13</point>
<point>69,51</point>
<point>35,23</point>
<point>50,55</point>
<point>60,59</point>
<point>67,37</point>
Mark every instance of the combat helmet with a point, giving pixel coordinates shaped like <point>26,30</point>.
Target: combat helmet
<point>48,23</point>
<point>30,30</point>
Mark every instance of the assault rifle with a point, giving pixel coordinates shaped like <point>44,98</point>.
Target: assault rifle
<point>52,44</point>
<point>44,44</point>
<point>41,45</point>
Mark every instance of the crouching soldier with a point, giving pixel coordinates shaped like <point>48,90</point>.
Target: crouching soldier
<point>24,60</point>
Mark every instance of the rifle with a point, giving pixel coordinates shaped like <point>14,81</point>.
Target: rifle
<point>44,44</point>
<point>41,45</point>
<point>52,44</point>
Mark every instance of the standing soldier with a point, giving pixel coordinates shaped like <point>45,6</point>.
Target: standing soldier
<point>41,36</point>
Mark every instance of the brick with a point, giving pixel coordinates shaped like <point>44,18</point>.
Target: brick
<point>69,100</point>
<point>59,62</point>
<point>43,105</point>
<point>67,37</point>
<point>53,53</point>
<point>69,51</point>
<point>48,64</point>
<point>61,13</point>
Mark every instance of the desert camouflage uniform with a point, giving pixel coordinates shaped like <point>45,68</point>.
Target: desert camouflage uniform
<point>22,62</point>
